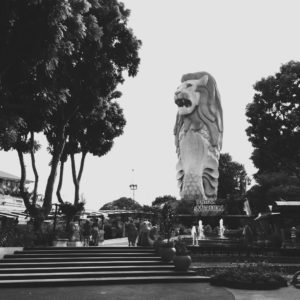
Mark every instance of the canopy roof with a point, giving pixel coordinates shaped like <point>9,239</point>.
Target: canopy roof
<point>7,176</point>
<point>287,203</point>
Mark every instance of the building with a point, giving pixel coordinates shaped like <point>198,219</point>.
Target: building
<point>11,203</point>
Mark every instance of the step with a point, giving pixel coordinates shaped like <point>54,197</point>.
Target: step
<point>162,267</point>
<point>16,263</point>
<point>87,258</point>
<point>100,281</point>
<point>86,250</point>
<point>91,248</point>
<point>94,274</point>
<point>77,254</point>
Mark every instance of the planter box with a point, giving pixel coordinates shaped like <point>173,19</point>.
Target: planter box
<point>60,243</point>
<point>9,250</point>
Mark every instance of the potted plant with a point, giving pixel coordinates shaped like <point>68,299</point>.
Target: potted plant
<point>181,260</point>
<point>166,249</point>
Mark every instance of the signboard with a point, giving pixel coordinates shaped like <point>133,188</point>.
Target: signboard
<point>208,208</point>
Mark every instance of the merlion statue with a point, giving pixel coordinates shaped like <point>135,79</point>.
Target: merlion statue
<point>198,137</point>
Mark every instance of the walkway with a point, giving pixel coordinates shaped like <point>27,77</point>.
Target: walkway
<point>170,291</point>
<point>148,291</point>
<point>289,293</point>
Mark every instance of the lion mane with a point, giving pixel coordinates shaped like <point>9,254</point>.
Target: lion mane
<point>208,113</point>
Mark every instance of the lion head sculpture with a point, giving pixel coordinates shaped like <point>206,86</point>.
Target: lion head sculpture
<point>198,136</point>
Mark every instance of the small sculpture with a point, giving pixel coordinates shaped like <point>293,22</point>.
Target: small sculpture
<point>198,137</point>
<point>194,236</point>
<point>201,231</point>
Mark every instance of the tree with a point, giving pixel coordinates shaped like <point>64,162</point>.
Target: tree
<point>59,58</point>
<point>274,117</point>
<point>271,187</point>
<point>232,184</point>
<point>161,200</point>
<point>274,131</point>
<point>93,133</point>
<point>232,177</point>
<point>122,203</point>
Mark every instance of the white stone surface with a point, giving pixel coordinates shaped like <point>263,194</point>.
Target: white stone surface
<point>9,250</point>
<point>198,137</point>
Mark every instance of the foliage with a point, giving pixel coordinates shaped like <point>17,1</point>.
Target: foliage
<point>122,203</point>
<point>168,244</point>
<point>271,187</point>
<point>93,132</point>
<point>168,219</point>
<point>26,236</point>
<point>232,184</point>
<point>274,131</point>
<point>274,117</point>
<point>249,276</point>
<point>161,200</point>
<point>58,59</point>
<point>232,177</point>
<point>71,210</point>
<point>180,247</point>
<point>61,231</point>
<point>234,233</point>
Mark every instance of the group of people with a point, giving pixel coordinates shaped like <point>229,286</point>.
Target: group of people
<point>92,233</point>
<point>141,233</point>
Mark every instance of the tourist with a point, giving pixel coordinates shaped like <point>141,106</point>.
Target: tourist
<point>95,233</point>
<point>86,233</point>
<point>101,232</point>
<point>132,233</point>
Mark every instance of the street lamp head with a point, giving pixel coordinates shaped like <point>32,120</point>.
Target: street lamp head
<point>133,187</point>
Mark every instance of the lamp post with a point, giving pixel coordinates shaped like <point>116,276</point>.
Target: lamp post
<point>133,186</point>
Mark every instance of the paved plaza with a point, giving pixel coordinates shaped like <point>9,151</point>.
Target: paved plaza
<point>148,291</point>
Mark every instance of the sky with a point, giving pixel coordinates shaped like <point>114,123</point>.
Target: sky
<point>237,41</point>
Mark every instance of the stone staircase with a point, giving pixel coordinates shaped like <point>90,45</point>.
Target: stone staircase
<point>88,266</point>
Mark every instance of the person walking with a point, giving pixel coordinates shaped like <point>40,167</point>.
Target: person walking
<point>86,233</point>
<point>132,233</point>
<point>95,233</point>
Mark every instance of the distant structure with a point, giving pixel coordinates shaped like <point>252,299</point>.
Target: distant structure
<point>198,138</point>
<point>11,203</point>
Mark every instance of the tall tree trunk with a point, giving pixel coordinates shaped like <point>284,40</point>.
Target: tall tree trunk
<point>83,155</point>
<point>75,181</point>
<point>36,175</point>
<point>61,176</point>
<point>58,150</point>
<point>25,195</point>
<point>77,178</point>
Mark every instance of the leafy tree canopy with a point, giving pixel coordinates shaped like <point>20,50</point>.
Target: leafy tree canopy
<point>274,117</point>
<point>163,200</point>
<point>274,131</point>
<point>122,203</point>
<point>57,59</point>
<point>232,177</point>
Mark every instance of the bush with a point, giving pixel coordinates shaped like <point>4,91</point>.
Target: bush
<point>25,236</point>
<point>249,276</point>
<point>234,233</point>
<point>180,247</point>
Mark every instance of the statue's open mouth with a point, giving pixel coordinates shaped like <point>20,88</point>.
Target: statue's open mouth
<point>183,102</point>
